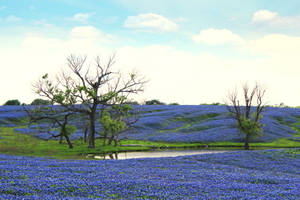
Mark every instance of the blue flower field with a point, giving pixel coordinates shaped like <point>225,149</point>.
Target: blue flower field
<point>174,123</point>
<point>263,174</point>
<point>267,174</point>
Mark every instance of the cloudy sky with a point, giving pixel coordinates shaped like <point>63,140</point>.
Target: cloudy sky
<point>192,51</point>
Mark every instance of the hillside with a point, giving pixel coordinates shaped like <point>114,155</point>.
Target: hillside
<point>176,123</point>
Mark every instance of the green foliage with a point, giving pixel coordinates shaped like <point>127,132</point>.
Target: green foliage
<point>57,95</point>
<point>154,102</point>
<point>110,125</point>
<point>113,118</point>
<point>132,102</point>
<point>40,102</point>
<point>13,102</point>
<point>250,127</point>
<point>196,119</point>
<point>69,129</point>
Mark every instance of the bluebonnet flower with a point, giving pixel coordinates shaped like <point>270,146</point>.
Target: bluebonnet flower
<point>269,174</point>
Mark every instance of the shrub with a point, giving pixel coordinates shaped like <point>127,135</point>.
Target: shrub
<point>13,102</point>
<point>154,102</point>
<point>37,102</point>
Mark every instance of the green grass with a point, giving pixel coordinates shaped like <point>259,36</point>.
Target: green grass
<point>293,126</point>
<point>22,144</point>
<point>189,121</point>
<point>280,143</point>
<point>200,118</point>
<point>176,129</point>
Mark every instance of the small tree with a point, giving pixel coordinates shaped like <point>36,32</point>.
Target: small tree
<point>57,118</point>
<point>116,119</point>
<point>247,116</point>
<point>13,102</point>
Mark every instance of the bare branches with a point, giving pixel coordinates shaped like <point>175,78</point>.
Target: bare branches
<point>89,87</point>
<point>248,115</point>
<point>76,63</point>
<point>260,105</point>
<point>94,88</point>
<point>234,106</point>
<point>248,96</point>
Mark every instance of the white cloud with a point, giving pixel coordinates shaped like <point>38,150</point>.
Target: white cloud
<point>218,37</point>
<point>90,33</point>
<point>276,45</point>
<point>81,17</point>
<point>12,18</point>
<point>174,74</point>
<point>150,21</point>
<point>2,7</point>
<point>38,54</point>
<point>85,32</point>
<point>264,15</point>
<point>182,73</point>
<point>273,19</point>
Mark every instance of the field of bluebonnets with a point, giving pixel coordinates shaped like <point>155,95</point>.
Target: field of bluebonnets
<point>264,174</point>
<point>268,174</point>
<point>173,123</point>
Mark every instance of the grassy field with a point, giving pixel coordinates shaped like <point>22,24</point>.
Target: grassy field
<point>22,144</point>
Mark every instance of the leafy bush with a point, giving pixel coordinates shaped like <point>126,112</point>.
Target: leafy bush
<point>38,102</point>
<point>13,102</point>
<point>154,102</point>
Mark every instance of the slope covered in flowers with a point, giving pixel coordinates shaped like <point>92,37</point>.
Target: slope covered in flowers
<point>208,123</point>
<point>204,123</point>
<point>269,174</point>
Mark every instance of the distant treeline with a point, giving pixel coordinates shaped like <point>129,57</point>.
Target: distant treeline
<point>38,101</point>
<point>16,102</point>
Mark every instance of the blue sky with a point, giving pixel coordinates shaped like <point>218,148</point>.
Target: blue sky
<point>217,45</point>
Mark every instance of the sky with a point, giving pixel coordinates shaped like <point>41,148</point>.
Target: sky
<point>191,52</point>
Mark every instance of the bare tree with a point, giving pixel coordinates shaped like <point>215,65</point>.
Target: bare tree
<point>93,89</point>
<point>248,111</point>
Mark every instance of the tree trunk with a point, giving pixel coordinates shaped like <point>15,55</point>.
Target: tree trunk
<point>60,138</point>
<point>104,138</point>
<point>92,116</point>
<point>247,142</point>
<point>69,141</point>
<point>63,132</point>
<point>111,156</point>
<point>116,140</point>
<point>85,134</point>
<point>92,131</point>
<point>110,140</point>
